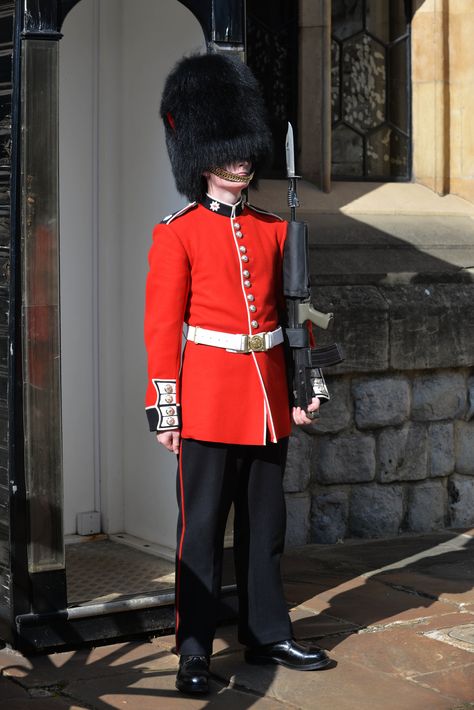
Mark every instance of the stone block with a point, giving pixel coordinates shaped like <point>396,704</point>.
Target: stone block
<point>298,463</point>
<point>470,399</point>
<point>329,516</point>
<point>461,501</point>
<point>347,458</point>
<point>383,401</point>
<point>375,510</point>
<point>360,326</point>
<point>438,396</point>
<point>336,414</point>
<point>440,449</point>
<point>403,453</point>
<point>427,503</point>
<point>464,446</point>
<point>298,506</point>
<point>431,325</point>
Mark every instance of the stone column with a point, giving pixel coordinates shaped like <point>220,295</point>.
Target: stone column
<point>430,82</point>
<point>314,110</point>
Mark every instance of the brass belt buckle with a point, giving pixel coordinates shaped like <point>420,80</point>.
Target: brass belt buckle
<point>256,343</point>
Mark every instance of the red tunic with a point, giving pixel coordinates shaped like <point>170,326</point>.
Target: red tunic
<point>218,270</point>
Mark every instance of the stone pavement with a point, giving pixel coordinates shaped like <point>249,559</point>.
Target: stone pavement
<point>396,615</point>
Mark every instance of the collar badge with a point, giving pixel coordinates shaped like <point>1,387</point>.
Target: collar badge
<point>214,206</point>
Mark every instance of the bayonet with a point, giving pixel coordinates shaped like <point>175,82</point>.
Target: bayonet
<point>307,377</point>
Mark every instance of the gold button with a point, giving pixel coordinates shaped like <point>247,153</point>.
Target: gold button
<point>244,258</point>
<point>168,388</point>
<point>239,234</point>
<point>243,249</point>
<point>169,400</point>
<point>247,284</point>
<point>253,308</point>
<point>254,324</point>
<point>246,273</point>
<point>236,225</point>
<point>171,421</point>
<point>250,297</point>
<point>170,410</point>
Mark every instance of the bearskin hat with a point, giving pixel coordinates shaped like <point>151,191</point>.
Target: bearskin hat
<point>214,114</point>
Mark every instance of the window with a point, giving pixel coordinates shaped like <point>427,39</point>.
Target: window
<point>371,131</point>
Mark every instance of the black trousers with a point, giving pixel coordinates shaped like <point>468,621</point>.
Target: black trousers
<point>211,477</point>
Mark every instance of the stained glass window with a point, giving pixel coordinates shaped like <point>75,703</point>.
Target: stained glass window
<point>370,90</point>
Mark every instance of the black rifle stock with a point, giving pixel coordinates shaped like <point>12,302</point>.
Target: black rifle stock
<point>306,375</point>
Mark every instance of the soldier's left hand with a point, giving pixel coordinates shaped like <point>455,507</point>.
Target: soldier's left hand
<point>299,415</point>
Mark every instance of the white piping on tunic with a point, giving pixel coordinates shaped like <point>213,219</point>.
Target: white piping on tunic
<point>171,217</point>
<point>266,406</point>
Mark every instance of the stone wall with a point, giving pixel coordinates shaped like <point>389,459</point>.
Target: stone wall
<point>393,450</point>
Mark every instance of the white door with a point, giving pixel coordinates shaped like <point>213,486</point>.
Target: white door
<point>115,184</point>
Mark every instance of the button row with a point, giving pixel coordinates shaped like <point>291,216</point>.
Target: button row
<point>246,273</point>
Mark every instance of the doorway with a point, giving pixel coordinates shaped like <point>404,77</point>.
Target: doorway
<point>115,184</point>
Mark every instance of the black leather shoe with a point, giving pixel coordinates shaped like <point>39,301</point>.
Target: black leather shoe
<point>193,675</point>
<point>289,654</point>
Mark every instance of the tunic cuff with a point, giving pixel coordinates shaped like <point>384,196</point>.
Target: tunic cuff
<point>166,413</point>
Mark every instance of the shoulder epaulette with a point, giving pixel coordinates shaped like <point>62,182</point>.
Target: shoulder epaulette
<point>179,213</point>
<point>265,212</point>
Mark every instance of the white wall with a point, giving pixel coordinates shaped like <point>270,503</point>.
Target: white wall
<point>115,185</point>
<point>78,282</point>
<point>152,43</point>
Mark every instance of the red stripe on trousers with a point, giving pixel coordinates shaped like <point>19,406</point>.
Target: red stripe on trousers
<point>180,549</point>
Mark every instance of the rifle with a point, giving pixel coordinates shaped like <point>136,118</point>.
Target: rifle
<point>306,374</point>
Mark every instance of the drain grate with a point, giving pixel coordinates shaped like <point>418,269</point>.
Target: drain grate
<point>463,633</point>
<point>461,636</point>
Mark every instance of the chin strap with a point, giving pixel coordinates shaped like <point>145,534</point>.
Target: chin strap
<point>232,177</point>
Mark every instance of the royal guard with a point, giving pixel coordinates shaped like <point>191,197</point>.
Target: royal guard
<point>221,403</point>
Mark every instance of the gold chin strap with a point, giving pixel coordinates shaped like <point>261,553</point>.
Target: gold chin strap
<point>232,177</point>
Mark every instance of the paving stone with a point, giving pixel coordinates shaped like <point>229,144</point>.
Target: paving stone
<point>375,510</point>
<point>457,683</point>
<point>438,396</point>
<point>156,691</point>
<point>456,591</point>
<point>403,453</point>
<point>355,556</point>
<point>365,602</point>
<point>329,516</point>
<point>427,506</point>
<point>441,449</point>
<point>308,625</point>
<point>402,651</point>
<point>58,668</point>
<point>443,621</point>
<point>10,690</point>
<point>379,402</point>
<point>464,447</point>
<point>298,464</point>
<point>348,686</point>
<point>47,703</point>
<point>346,458</point>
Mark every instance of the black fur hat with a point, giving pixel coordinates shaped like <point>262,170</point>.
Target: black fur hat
<point>214,114</point>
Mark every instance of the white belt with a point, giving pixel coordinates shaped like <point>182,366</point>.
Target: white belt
<point>235,342</point>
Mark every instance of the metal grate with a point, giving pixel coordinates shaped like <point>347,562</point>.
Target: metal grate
<point>105,571</point>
